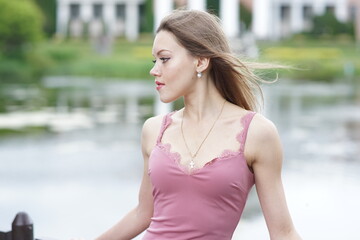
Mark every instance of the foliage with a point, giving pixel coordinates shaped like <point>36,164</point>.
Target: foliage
<point>147,23</point>
<point>29,69</point>
<point>61,54</point>
<point>317,60</point>
<point>328,24</point>
<point>20,26</point>
<point>20,31</point>
<point>14,70</point>
<point>48,9</point>
<point>213,6</point>
<point>129,60</point>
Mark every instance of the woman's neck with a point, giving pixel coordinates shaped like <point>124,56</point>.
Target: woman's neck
<point>204,102</point>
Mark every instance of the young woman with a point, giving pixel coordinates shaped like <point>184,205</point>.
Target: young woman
<point>200,162</point>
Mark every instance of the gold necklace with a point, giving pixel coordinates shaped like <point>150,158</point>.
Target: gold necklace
<point>193,156</point>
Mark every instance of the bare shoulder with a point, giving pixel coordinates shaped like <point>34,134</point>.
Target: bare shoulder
<point>262,139</point>
<point>153,122</point>
<point>262,129</point>
<point>150,131</point>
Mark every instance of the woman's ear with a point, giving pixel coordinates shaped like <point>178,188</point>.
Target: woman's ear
<point>202,64</point>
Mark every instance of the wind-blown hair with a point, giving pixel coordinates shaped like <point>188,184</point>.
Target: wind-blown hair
<point>202,35</point>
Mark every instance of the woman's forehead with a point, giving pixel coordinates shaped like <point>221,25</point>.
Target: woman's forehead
<point>165,42</point>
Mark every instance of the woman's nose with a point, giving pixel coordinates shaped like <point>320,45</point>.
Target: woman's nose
<point>154,71</point>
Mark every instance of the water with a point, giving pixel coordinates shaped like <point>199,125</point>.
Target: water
<point>71,184</point>
<point>79,183</point>
<point>321,161</point>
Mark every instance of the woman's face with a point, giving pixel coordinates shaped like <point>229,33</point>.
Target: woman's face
<point>174,68</point>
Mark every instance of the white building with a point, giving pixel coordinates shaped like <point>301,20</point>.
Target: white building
<point>275,19</point>
<point>122,17</point>
<point>229,13</point>
<point>98,17</point>
<point>272,19</point>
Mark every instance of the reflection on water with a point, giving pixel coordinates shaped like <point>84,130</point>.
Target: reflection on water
<point>78,183</point>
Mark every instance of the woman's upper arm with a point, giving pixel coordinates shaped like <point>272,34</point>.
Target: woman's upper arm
<point>265,151</point>
<point>149,134</point>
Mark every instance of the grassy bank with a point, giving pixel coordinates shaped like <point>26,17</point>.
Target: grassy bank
<point>129,60</point>
<point>321,60</point>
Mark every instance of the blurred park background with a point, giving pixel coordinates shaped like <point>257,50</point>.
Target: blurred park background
<point>75,89</point>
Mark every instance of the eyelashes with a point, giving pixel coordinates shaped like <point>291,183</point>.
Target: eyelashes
<point>163,60</point>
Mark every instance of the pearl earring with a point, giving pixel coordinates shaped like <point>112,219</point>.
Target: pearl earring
<point>199,74</point>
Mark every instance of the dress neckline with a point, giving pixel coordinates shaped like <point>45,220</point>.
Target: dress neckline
<point>225,154</point>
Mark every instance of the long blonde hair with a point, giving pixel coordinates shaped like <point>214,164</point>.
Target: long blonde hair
<point>201,34</point>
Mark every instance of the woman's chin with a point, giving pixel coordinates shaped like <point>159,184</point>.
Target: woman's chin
<point>167,99</point>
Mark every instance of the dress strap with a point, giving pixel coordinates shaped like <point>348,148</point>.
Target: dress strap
<point>167,120</point>
<point>245,122</point>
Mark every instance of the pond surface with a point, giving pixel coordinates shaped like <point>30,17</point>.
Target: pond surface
<point>79,183</point>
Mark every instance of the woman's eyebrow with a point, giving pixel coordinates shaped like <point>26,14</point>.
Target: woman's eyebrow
<point>160,51</point>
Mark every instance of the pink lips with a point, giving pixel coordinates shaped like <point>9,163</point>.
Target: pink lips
<point>159,85</point>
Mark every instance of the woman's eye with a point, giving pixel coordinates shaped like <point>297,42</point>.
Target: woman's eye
<point>164,60</point>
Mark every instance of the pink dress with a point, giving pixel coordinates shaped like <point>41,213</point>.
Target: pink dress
<point>205,204</point>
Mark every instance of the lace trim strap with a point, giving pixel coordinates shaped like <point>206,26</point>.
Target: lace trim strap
<point>245,121</point>
<point>165,123</point>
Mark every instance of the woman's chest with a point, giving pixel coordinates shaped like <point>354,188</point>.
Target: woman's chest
<point>228,174</point>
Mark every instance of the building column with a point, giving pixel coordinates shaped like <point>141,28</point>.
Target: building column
<point>132,20</point>
<point>63,16</point>
<point>261,22</point>
<point>86,11</point>
<point>297,18</point>
<point>341,10</point>
<point>161,9</point>
<point>109,17</point>
<point>357,21</point>
<point>275,22</point>
<point>197,5</point>
<point>229,14</point>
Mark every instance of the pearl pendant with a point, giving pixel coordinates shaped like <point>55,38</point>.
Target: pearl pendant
<point>192,164</point>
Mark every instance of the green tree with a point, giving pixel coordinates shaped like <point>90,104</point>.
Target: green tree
<point>20,26</point>
<point>213,6</point>
<point>48,9</point>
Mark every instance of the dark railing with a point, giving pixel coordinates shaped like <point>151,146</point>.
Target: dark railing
<point>21,229</point>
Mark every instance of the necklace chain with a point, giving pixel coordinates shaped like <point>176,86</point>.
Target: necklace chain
<point>193,156</point>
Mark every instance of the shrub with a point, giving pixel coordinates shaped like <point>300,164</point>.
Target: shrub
<point>12,70</point>
<point>328,25</point>
<point>20,26</point>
